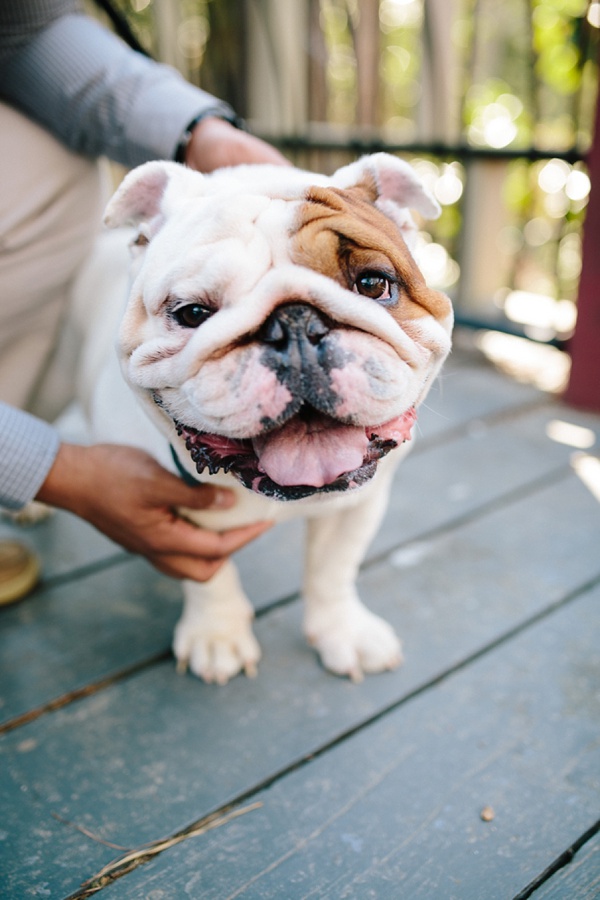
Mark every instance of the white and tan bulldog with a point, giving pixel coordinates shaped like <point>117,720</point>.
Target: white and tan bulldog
<point>280,338</point>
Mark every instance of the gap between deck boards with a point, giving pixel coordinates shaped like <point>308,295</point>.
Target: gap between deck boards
<point>95,884</point>
<point>95,687</point>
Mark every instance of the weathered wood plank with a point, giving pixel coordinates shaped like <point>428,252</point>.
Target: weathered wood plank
<point>437,484</point>
<point>63,638</point>
<point>121,617</point>
<point>578,880</point>
<point>465,391</point>
<point>157,751</point>
<point>395,811</point>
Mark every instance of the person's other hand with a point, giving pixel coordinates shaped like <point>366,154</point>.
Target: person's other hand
<point>128,496</point>
<point>216,143</point>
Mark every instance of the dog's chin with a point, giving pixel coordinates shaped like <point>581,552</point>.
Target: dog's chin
<point>311,453</point>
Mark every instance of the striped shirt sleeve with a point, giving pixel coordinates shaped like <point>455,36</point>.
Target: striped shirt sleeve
<point>28,448</point>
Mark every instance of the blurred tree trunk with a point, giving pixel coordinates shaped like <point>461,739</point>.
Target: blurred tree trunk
<point>367,48</point>
<point>225,59</point>
<point>167,18</point>
<point>277,75</point>
<point>317,66</point>
<point>439,109</point>
<point>484,265</point>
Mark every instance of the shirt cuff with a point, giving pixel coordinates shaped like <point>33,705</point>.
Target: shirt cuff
<point>28,448</point>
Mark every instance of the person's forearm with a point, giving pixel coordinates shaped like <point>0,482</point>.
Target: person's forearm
<point>97,96</point>
<point>127,495</point>
<point>62,486</point>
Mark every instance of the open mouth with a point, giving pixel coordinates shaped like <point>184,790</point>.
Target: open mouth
<point>311,453</point>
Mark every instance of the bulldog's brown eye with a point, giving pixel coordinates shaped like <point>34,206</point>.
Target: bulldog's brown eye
<point>192,315</point>
<point>375,285</point>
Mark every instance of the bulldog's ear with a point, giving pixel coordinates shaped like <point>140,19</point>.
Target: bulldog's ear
<point>145,194</point>
<point>392,183</point>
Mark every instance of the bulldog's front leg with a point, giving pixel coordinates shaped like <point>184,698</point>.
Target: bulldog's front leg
<point>350,639</point>
<point>214,634</point>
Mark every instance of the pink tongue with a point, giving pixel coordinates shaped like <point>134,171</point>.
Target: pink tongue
<point>310,453</point>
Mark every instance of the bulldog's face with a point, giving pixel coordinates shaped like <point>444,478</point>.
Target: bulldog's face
<point>277,321</point>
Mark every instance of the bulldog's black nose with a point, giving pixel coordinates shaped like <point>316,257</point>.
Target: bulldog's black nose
<point>299,346</point>
<point>292,325</point>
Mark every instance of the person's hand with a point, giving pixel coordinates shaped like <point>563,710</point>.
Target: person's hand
<point>216,143</point>
<point>128,496</point>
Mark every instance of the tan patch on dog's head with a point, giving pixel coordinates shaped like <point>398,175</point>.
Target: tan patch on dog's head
<point>340,233</point>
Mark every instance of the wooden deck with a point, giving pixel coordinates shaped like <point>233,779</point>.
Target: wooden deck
<point>472,772</point>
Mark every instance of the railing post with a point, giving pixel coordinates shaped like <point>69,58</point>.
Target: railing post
<point>584,383</point>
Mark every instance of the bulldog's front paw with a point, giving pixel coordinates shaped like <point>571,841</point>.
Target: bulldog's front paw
<point>216,648</point>
<point>351,640</point>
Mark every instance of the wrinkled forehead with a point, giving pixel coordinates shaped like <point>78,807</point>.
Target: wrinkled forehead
<point>352,217</point>
<point>232,238</point>
<point>244,217</point>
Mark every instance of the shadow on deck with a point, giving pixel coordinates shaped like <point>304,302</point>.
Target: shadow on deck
<point>472,772</point>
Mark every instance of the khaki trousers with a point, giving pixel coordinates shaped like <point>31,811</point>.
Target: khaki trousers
<point>51,204</point>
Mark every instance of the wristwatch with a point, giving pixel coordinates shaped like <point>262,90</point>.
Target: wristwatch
<point>217,112</point>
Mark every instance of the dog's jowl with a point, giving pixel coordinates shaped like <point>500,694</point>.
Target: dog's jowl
<point>280,338</point>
